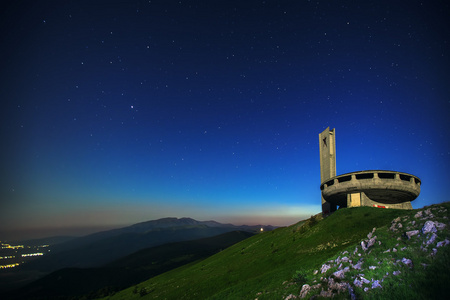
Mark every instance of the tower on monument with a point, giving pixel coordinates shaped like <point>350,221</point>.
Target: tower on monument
<point>327,142</point>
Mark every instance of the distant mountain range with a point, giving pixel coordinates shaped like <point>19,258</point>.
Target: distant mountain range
<point>103,247</point>
<point>70,283</point>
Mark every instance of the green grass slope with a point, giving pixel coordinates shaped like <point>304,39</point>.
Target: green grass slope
<point>409,258</point>
<point>266,266</point>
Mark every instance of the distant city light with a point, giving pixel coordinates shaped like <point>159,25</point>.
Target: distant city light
<point>32,254</point>
<point>9,266</point>
<point>8,246</point>
<point>6,257</point>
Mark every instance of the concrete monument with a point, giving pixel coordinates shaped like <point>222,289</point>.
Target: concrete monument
<point>377,188</point>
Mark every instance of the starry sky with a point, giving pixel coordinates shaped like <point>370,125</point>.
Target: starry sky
<point>117,112</point>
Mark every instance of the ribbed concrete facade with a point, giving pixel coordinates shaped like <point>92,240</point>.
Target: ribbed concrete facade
<point>379,188</point>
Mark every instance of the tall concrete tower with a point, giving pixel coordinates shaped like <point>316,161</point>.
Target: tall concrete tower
<point>327,142</point>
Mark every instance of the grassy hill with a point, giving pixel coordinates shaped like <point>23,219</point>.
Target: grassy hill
<point>276,264</point>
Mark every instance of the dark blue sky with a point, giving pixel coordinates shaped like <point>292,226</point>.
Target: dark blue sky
<point>116,112</point>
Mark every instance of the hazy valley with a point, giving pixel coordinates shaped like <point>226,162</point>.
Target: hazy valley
<point>117,258</point>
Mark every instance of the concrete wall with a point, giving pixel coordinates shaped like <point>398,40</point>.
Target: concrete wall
<point>327,207</point>
<point>354,200</point>
<point>366,201</point>
<point>361,199</point>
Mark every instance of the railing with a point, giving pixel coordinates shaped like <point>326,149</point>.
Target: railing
<point>372,176</point>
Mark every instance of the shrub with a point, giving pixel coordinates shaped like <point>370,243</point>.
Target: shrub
<point>313,221</point>
<point>143,291</point>
<point>300,277</point>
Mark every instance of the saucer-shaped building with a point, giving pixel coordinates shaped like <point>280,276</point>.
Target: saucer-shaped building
<point>377,188</point>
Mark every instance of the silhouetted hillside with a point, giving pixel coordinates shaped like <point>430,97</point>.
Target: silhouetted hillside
<point>143,228</point>
<point>129,270</point>
<point>103,247</point>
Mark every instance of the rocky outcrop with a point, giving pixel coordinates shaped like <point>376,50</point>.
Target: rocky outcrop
<point>356,272</point>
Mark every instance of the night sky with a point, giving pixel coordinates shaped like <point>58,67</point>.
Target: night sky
<point>118,112</point>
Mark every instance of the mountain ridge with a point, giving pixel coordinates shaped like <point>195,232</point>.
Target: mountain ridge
<point>161,223</point>
<point>102,247</point>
